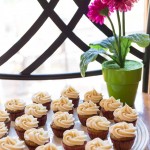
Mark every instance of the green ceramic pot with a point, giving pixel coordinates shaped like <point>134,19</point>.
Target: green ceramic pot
<point>122,83</point>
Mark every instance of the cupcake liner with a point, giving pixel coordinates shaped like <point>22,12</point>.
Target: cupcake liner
<point>123,145</point>
<point>97,134</point>
<point>70,111</point>
<point>20,134</point>
<point>75,101</point>
<point>8,123</point>
<point>42,120</point>
<point>76,147</point>
<point>14,115</point>
<point>133,122</point>
<point>108,114</point>
<point>83,118</point>
<point>47,105</point>
<point>59,131</point>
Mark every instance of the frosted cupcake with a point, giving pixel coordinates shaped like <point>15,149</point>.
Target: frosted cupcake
<point>72,94</point>
<point>94,96</point>
<point>15,107</point>
<point>122,135</point>
<point>4,117</point>
<point>87,110</point>
<point>42,98</point>
<point>125,114</point>
<point>36,137</point>
<point>24,123</point>
<point>74,140</point>
<point>98,144</point>
<point>38,111</point>
<point>3,130</point>
<point>62,104</point>
<point>48,146</point>
<point>62,121</point>
<point>97,126</point>
<point>108,106</point>
<point>11,143</point>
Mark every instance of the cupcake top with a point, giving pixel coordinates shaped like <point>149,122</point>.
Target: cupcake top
<point>122,130</point>
<point>4,115</point>
<point>98,144</point>
<point>38,136</point>
<point>110,104</point>
<point>63,119</point>
<point>3,129</point>
<point>15,104</point>
<point>70,92</point>
<point>87,108</point>
<point>98,123</point>
<point>26,122</point>
<point>41,97</point>
<point>126,113</point>
<point>11,143</point>
<point>48,146</point>
<point>74,137</point>
<point>62,104</point>
<point>93,95</point>
<point>37,110</point>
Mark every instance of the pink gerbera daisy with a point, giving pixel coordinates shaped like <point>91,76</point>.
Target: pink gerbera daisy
<point>94,12</point>
<point>121,5</point>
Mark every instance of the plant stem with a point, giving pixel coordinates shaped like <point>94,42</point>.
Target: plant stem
<point>123,23</point>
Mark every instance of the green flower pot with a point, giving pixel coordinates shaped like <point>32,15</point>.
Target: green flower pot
<point>122,83</point>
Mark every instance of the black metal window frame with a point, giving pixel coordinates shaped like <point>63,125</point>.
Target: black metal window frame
<point>67,32</point>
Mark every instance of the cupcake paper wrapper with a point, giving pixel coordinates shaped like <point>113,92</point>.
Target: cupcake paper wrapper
<point>134,122</point>
<point>108,114</point>
<point>14,115</point>
<point>47,105</point>
<point>70,111</point>
<point>8,124</point>
<point>42,120</point>
<point>75,101</point>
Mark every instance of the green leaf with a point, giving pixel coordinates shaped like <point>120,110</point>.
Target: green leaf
<point>142,40</point>
<point>88,57</point>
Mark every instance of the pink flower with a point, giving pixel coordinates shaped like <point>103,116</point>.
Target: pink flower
<point>121,5</point>
<point>94,12</point>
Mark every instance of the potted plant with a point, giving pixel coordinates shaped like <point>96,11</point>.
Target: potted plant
<point>121,75</point>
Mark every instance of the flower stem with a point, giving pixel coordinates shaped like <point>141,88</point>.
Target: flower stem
<point>123,23</point>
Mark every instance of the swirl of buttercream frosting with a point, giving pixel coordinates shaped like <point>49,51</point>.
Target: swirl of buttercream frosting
<point>26,122</point>
<point>41,97</point>
<point>3,129</point>
<point>87,108</point>
<point>63,119</point>
<point>93,95</point>
<point>62,104</point>
<point>98,144</point>
<point>126,113</point>
<point>110,104</point>
<point>98,123</point>
<point>122,130</point>
<point>74,137</point>
<point>38,136</point>
<point>11,143</point>
<point>48,146</point>
<point>37,110</point>
<point>70,92</point>
<point>4,115</point>
<point>15,104</point>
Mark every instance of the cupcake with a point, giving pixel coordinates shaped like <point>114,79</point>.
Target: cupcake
<point>11,143</point>
<point>48,146</point>
<point>122,135</point>
<point>125,114</point>
<point>62,121</point>
<point>62,104</point>
<point>42,98</point>
<point>15,107</point>
<point>94,96</point>
<point>87,110</point>
<point>36,137</point>
<point>72,94</point>
<point>4,117</point>
<point>97,126</point>
<point>24,123</point>
<point>3,130</point>
<point>38,111</point>
<point>108,106</point>
<point>74,140</point>
<point>98,144</point>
